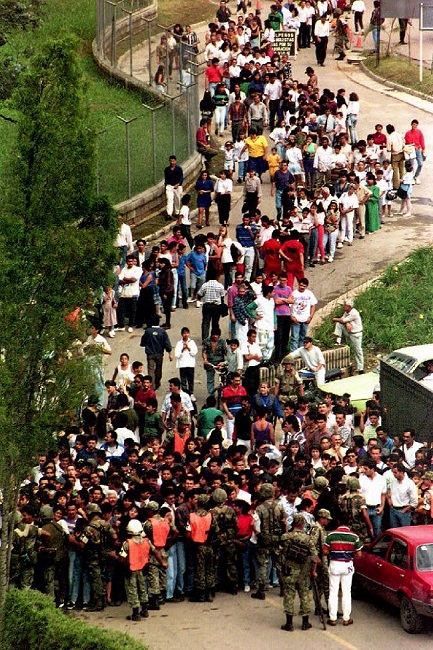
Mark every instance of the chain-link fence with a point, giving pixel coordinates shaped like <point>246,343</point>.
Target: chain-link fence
<point>133,150</point>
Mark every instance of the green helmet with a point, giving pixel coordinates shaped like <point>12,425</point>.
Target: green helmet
<point>219,495</point>
<point>267,491</point>
<point>153,506</point>
<point>93,508</point>
<point>46,512</point>
<point>353,483</point>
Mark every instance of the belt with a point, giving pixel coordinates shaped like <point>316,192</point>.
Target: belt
<point>400,507</point>
<point>376,506</point>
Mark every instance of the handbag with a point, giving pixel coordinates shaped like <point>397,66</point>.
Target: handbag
<point>391,195</point>
<point>401,193</point>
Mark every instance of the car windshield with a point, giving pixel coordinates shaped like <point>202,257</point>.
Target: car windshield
<point>424,557</point>
<point>400,361</point>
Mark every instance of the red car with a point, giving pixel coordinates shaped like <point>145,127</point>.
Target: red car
<point>398,567</point>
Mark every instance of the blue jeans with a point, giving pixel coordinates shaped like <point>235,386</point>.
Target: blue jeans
<point>351,123</point>
<point>376,520</point>
<point>278,200</point>
<point>242,168</point>
<point>375,32</point>
<point>182,289</point>
<point>298,331</point>
<point>75,573</point>
<point>419,162</point>
<point>397,518</point>
<point>171,571</point>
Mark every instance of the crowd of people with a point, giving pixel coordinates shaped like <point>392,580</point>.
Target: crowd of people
<point>149,499</point>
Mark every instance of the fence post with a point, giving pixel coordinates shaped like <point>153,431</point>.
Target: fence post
<point>128,151</point>
<point>153,110</point>
<point>149,22</point>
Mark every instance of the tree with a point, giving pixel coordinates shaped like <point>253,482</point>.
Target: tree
<point>56,245</point>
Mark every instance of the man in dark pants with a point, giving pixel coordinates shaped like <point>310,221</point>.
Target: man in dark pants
<point>155,340</point>
<point>211,294</point>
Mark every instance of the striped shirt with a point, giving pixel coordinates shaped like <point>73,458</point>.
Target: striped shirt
<point>342,544</point>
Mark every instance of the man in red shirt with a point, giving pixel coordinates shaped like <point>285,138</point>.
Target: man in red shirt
<point>143,394</point>
<point>231,398</point>
<point>213,76</point>
<point>416,137</point>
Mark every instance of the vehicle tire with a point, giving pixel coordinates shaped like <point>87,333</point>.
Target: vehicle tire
<point>411,622</point>
<point>356,588</point>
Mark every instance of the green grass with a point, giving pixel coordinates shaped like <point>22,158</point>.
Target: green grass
<point>107,100</point>
<point>402,71</point>
<point>398,310</point>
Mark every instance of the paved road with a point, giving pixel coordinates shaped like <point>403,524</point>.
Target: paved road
<point>239,622</point>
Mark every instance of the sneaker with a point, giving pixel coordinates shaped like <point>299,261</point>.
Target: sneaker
<point>408,214</point>
<point>173,309</point>
<point>198,304</point>
<point>340,244</point>
<point>130,329</point>
<point>247,589</point>
<point>111,334</point>
<point>119,329</point>
<point>330,259</point>
<point>191,300</point>
<point>70,605</point>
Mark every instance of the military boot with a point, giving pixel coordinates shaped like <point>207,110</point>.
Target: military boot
<point>144,612</point>
<point>198,597</point>
<point>208,596</point>
<point>153,604</point>
<point>306,625</point>
<point>288,627</point>
<point>135,616</point>
<point>260,593</point>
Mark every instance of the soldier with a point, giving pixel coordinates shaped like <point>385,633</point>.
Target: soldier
<point>53,555</point>
<point>135,550</point>
<point>318,535</point>
<point>157,529</point>
<point>225,528</point>
<point>354,506</point>
<point>298,559</point>
<point>288,384</point>
<point>24,555</point>
<point>95,541</point>
<point>272,525</point>
<point>199,531</point>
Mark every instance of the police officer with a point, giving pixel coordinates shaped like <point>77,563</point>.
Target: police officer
<point>298,561</point>
<point>225,528</point>
<point>200,533</point>
<point>24,555</point>
<point>95,541</point>
<point>272,524</point>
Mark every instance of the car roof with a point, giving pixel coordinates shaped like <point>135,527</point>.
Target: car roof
<point>418,352</point>
<point>414,534</point>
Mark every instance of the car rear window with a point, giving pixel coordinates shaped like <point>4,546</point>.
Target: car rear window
<point>400,361</point>
<point>424,557</point>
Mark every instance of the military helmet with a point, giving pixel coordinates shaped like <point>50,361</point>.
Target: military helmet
<point>267,490</point>
<point>219,495</point>
<point>93,508</point>
<point>202,499</point>
<point>153,506</point>
<point>298,520</point>
<point>134,527</point>
<point>46,512</point>
<point>325,514</point>
<point>353,483</point>
<point>321,482</point>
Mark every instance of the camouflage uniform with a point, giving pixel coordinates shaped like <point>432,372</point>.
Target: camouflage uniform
<point>157,577</point>
<point>225,527</point>
<point>95,536</point>
<point>297,551</point>
<point>271,517</point>
<point>53,562</point>
<point>318,535</point>
<point>352,504</point>
<point>135,583</point>
<point>24,555</point>
<point>288,389</point>
<point>204,569</point>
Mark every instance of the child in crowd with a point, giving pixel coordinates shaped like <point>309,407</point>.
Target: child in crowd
<point>184,219</point>
<point>406,185</point>
<point>229,158</point>
<point>109,306</point>
<point>241,157</point>
<point>274,162</point>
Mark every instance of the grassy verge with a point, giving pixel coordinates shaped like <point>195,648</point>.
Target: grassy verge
<point>402,71</point>
<point>398,310</point>
<point>108,100</point>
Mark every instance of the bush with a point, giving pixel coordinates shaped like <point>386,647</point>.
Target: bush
<point>397,311</point>
<point>30,621</point>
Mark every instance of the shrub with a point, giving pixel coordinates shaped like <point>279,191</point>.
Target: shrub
<point>30,621</point>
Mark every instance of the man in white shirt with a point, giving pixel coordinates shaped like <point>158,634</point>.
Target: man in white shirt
<point>272,95</point>
<point>313,358</point>
<point>253,357</point>
<point>350,325</point>
<point>410,447</point>
<point>402,497</point>
<point>321,33</point>
<point>185,353</point>
<point>302,312</point>
<point>323,162</point>
<point>348,204</point>
<point>123,241</point>
<point>373,488</point>
<point>129,282</point>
